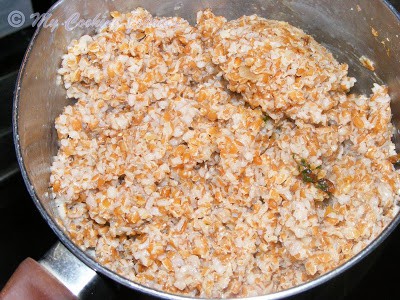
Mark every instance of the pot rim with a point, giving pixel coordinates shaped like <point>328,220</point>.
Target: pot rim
<point>90,262</point>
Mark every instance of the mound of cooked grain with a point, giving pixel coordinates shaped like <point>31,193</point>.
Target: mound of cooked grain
<point>220,160</point>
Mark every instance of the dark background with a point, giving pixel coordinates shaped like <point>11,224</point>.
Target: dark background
<point>23,232</point>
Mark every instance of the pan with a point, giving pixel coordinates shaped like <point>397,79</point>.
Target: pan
<point>66,272</point>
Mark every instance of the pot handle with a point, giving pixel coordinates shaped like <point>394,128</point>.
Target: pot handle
<point>59,275</point>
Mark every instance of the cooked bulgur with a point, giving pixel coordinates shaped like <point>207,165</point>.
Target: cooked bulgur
<point>221,160</point>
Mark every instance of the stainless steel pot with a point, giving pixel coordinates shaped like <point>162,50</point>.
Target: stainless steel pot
<point>345,27</point>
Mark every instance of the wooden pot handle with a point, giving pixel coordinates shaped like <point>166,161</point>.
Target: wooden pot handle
<point>32,281</point>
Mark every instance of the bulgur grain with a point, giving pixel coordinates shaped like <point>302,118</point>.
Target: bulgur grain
<point>179,163</point>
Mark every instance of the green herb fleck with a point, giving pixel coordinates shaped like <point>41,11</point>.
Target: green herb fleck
<point>325,185</point>
<point>308,176</point>
<point>266,118</point>
<point>304,163</point>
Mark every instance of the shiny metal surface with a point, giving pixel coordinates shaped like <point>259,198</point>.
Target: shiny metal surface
<point>69,270</point>
<point>343,26</point>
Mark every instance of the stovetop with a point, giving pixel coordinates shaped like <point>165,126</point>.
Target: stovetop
<point>25,234</point>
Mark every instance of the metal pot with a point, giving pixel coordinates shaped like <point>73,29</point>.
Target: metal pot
<point>342,26</point>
